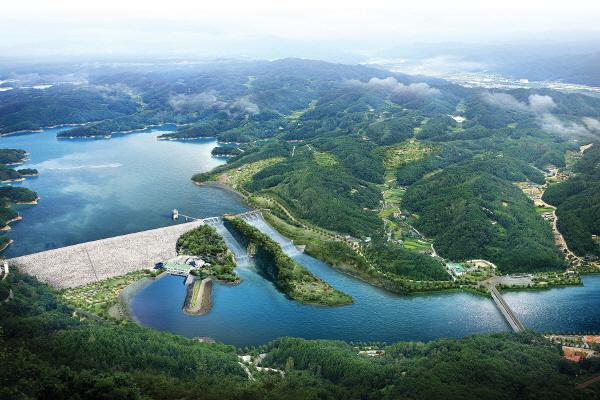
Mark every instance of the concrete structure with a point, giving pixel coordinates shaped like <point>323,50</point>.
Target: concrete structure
<point>94,261</point>
<point>6,270</point>
<point>506,311</point>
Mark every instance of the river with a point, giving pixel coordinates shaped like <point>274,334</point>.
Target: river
<point>93,189</point>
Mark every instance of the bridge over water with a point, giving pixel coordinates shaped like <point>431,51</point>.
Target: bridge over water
<point>506,311</point>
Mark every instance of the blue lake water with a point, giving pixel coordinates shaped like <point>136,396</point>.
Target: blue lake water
<point>93,189</point>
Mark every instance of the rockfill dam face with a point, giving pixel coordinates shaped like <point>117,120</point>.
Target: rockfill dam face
<point>89,262</point>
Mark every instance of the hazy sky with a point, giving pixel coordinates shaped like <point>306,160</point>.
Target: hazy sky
<point>34,28</point>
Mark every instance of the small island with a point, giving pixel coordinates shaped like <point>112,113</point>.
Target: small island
<point>10,195</point>
<point>10,157</point>
<point>289,276</point>
<point>207,254</point>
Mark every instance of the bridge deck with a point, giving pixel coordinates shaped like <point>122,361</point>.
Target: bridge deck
<point>89,262</point>
<point>506,311</point>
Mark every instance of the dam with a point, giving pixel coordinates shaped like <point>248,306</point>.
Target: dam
<point>89,262</point>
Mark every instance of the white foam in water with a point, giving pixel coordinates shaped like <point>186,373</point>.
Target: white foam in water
<point>241,256</point>
<point>257,221</point>
<point>57,167</point>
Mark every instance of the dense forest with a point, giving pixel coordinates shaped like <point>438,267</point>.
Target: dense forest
<point>578,205</point>
<point>49,354</point>
<point>31,109</point>
<point>327,146</point>
<point>472,210</point>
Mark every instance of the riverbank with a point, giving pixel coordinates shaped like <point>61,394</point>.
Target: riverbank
<point>5,245</point>
<point>33,202</point>
<point>131,290</point>
<point>108,298</point>
<point>198,299</point>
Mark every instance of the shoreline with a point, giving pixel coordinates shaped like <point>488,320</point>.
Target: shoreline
<point>5,245</point>
<point>29,202</point>
<point>130,291</point>
<point>110,135</point>
<point>42,129</point>
<point>220,185</point>
<point>14,180</point>
<point>374,281</point>
<point>7,227</point>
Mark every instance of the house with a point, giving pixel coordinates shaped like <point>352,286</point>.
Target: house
<point>576,354</point>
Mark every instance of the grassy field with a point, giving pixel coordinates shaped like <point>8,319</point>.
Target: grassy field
<point>324,159</point>
<point>297,114</point>
<point>542,210</point>
<point>417,245</point>
<point>236,178</point>
<point>98,297</point>
<point>402,154</point>
<point>196,300</point>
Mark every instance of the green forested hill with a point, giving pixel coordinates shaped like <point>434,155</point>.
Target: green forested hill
<point>578,204</point>
<point>48,354</point>
<point>29,109</point>
<point>333,125</point>
<point>474,211</point>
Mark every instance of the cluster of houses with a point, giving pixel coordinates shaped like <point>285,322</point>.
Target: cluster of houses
<point>456,269</point>
<point>548,216</point>
<point>577,347</point>
<point>556,174</point>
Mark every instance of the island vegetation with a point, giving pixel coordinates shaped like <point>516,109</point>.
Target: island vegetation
<point>11,195</point>
<point>206,243</point>
<point>288,275</point>
<point>51,354</point>
<point>12,156</point>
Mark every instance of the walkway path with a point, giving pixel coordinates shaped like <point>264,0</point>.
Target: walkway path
<point>589,382</point>
<point>559,238</point>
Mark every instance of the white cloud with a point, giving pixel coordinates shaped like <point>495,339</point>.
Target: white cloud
<point>541,107</point>
<point>392,85</point>
<point>244,105</point>
<point>541,104</point>
<point>505,100</point>
<point>592,124</point>
<point>196,102</point>
<point>210,99</point>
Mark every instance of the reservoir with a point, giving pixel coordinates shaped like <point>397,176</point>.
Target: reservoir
<point>97,188</point>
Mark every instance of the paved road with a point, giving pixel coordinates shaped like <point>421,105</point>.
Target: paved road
<point>589,382</point>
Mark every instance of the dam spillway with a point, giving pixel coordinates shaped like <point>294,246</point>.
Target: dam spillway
<point>239,252</point>
<point>256,220</point>
<point>89,262</point>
